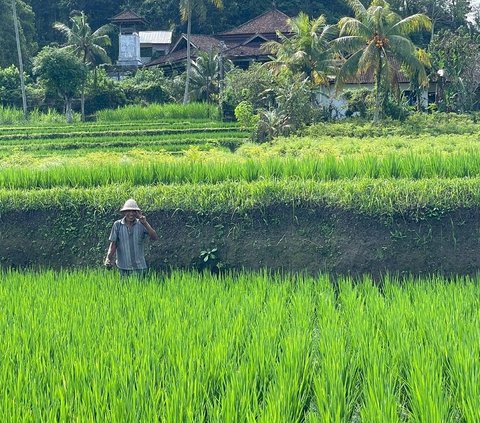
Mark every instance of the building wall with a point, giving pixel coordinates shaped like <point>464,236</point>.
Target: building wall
<point>336,102</point>
<point>129,49</point>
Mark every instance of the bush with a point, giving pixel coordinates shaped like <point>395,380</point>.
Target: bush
<point>359,103</point>
<point>103,93</point>
<point>245,116</point>
<point>10,93</point>
<point>147,86</point>
<point>248,85</point>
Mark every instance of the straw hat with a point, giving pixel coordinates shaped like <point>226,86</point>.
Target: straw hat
<point>130,204</point>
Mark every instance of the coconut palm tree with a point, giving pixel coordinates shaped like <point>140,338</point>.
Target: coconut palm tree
<point>87,45</point>
<point>186,10</point>
<point>306,50</point>
<point>205,74</point>
<point>377,41</point>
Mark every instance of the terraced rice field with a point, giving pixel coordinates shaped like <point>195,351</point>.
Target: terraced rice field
<point>82,346</point>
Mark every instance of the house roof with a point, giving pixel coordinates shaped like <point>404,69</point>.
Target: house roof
<point>177,53</point>
<point>197,41</point>
<point>268,22</point>
<point>231,52</point>
<point>155,37</point>
<point>128,17</point>
<point>236,42</point>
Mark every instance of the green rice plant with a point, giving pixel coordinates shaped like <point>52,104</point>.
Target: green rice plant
<point>159,111</point>
<point>10,115</point>
<point>336,380</point>
<point>26,171</point>
<point>289,392</point>
<point>184,346</point>
<point>374,197</point>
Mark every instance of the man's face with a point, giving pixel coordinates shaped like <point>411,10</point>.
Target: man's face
<point>131,216</point>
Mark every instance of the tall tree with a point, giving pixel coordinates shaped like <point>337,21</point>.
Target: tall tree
<point>62,73</point>
<point>456,58</point>
<point>443,14</point>
<point>85,44</point>
<point>206,74</point>
<point>186,10</point>
<point>307,50</point>
<point>377,42</point>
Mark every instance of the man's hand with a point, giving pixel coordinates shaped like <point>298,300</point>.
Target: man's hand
<point>108,263</point>
<point>151,232</point>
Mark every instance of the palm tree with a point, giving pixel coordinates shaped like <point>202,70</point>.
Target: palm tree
<point>205,74</point>
<point>377,41</point>
<point>306,50</point>
<point>186,10</point>
<point>85,44</point>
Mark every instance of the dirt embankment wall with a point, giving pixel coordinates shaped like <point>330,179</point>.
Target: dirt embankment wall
<point>308,239</point>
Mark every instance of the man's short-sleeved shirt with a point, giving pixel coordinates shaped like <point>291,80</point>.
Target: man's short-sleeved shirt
<point>130,242</point>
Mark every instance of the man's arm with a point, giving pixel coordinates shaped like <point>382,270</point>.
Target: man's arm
<point>151,232</point>
<point>112,249</point>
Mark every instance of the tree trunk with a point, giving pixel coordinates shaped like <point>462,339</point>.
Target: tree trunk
<point>68,110</point>
<point>378,94</point>
<point>186,96</point>
<point>82,103</point>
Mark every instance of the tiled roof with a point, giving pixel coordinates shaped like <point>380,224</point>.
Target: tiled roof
<point>127,16</point>
<point>176,56</point>
<point>199,43</point>
<point>269,22</point>
<point>204,42</point>
<point>231,52</point>
<point>244,51</point>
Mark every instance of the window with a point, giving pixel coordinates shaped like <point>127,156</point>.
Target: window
<point>145,51</point>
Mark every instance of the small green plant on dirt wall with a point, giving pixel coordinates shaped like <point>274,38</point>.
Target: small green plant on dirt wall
<point>209,260</point>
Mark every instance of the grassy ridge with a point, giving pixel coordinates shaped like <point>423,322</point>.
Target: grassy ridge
<point>88,128</point>
<point>426,197</point>
<point>14,151</point>
<point>215,168</point>
<point>83,346</point>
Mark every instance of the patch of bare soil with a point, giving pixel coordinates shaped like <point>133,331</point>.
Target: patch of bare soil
<point>308,239</point>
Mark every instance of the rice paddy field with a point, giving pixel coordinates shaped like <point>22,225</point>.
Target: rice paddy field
<point>249,346</point>
<point>81,346</point>
<point>195,153</point>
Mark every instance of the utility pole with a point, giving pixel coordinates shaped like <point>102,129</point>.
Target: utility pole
<point>221,77</point>
<point>20,60</point>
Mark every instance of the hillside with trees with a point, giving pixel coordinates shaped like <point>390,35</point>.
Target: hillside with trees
<point>38,16</point>
<point>424,41</point>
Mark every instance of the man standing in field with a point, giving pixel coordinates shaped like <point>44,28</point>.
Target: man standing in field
<point>127,241</point>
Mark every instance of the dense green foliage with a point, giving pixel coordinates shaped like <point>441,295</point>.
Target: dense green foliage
<point>38,16</point>
<point>62,73</point>
<point>304,54</point>
<point>81,345</point>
